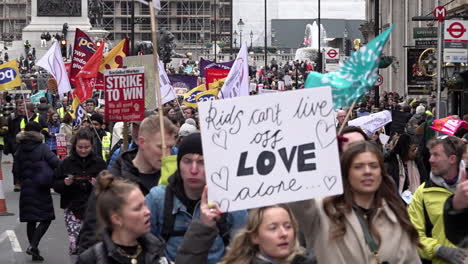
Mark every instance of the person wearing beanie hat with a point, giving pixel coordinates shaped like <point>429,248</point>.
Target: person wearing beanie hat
<point>175,206</point>
<point>187,129</point>
<point>416,120</point>
<point>420,109</point>
<point>102,138</point>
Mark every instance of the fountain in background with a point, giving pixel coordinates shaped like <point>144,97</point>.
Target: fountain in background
<point>311,42</point>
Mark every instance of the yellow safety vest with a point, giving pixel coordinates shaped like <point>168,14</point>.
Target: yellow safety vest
<point>36,119</point>
<point>61,112</point>
<point>22,125</point>
<point>106,145</point>
<point>2,141</point>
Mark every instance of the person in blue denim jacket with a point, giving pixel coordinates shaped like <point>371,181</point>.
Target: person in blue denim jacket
<point>173,207</point>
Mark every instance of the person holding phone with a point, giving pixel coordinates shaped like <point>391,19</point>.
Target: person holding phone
<point>74,181</point>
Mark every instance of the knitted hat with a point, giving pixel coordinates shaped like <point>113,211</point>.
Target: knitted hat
<point>187,129</point>
<point>33,126</point>
<point>420,109</point>
<point>98,118</point>
<point>190,121</point>
<point>190,145</point>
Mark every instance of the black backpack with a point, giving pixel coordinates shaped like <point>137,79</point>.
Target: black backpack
<point>224,225</point>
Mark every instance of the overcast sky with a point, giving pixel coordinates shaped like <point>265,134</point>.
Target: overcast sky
<point>251,12</point>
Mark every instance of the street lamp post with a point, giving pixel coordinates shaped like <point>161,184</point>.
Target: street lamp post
<point>240,25</point>
<point>132,29</point>
<point>266,39</point>
<point>251,39</point>
<point>215,30</point>
<point>345,37</point>
<point>235,38</point>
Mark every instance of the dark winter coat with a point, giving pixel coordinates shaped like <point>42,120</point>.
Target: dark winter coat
<point>75,196</point>
<point>392,168</point>
<point>123,168</point>
<point>105,252</point>
<point>455,222</point>
<point>199,238</point>
<point>13,130</point>
<point>34,163</point>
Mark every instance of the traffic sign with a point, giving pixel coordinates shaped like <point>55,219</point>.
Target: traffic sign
<point>440,12</point>
<point>456,30</point>
<point>456,41</point>
<point>379,80</point>
<point>332,54</point>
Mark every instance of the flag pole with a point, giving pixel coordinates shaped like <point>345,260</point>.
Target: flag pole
<point>154,28</point>
<point>347,116</point>
<point>24,103</point>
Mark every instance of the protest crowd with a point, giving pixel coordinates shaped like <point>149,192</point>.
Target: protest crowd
<point>135,184</point>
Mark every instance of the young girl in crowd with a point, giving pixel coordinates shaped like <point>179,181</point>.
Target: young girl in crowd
<point>368,223</point>
<point>74,182</point>
<point>66,127</point>
<point>270,237</point>
<point>53,124</point>
<point>125,219</point>
<point>35,164</point>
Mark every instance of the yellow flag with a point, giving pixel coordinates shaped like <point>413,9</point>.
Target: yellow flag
<point>114,59</point>
<point>9,75</point>
<point>207,95</point>
<point>217,84</point>
<point>189,97</point>
<point>76,102</point>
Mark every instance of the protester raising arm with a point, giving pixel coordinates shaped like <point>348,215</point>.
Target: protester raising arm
<point>456,215</point>
<point>201,234</point>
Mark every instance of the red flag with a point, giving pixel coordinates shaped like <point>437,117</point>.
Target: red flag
<point>86,78</point>
<point>213,75</point>
<point>83,50</point>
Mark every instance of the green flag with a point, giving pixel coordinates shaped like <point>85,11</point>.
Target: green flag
<point>35,98</point>
<point>356,76</point>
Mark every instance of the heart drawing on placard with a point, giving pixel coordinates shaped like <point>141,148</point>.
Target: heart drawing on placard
<point>224,205</point>
<point>221,178</point>
<point>220,138</point>
<point>322,130</point>
<point>329,181</point>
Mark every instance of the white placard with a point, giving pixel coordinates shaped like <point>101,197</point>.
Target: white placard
<point>269,149</point>
<point>373,122</point>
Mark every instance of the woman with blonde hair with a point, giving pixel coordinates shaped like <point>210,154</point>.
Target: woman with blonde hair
<point>270,237</point>
<point>366,224</point>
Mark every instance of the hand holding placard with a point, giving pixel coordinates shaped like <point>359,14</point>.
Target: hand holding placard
<point>270,149</point>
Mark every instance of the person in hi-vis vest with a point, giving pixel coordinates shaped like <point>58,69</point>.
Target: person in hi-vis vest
<point>103,143</point>
<point>64,108</point>
<point>16,124</point>
<point>3,133</point>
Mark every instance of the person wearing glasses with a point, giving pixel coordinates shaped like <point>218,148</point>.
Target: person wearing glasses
<point>427,205</point>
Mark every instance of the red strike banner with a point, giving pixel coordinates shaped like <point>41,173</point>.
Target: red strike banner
<point>125,91</point>
<point>213,75</point>
<point>61,146</point>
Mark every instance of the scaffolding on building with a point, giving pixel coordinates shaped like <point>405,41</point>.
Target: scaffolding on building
<point>14,16</point>
<point>195,23</point>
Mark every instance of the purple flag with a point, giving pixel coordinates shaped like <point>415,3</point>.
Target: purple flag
<point>183,81</point>
<point>207,64</point>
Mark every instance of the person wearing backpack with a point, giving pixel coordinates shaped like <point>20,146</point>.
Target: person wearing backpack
<point>179,203</point>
